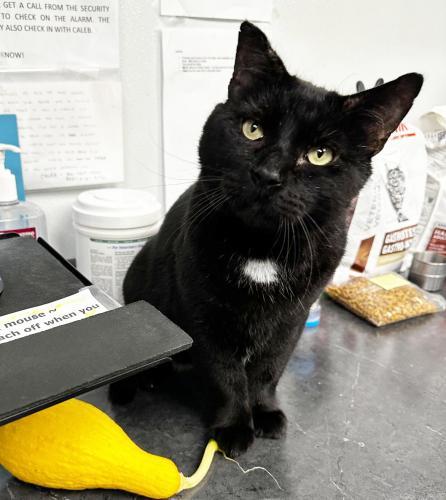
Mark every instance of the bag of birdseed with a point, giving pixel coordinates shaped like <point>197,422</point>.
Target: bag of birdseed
<point>385,219</point>
<point>385,299</point>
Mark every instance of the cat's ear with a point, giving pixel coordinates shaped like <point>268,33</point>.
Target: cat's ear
<point>255,61</point>
<point>377,112</point>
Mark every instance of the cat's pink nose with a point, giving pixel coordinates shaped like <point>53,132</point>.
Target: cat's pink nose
<point>266,177</point>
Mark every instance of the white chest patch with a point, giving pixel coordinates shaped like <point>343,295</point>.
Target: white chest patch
<point>261,271</point>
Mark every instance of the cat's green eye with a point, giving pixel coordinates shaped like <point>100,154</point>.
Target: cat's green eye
<point>252,130</point>
<point>320,156</point>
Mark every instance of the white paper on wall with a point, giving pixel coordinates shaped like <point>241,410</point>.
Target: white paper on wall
<point>70,132</point>
<point>253,10</point>
<point>197,67</point>
<point>59,35</point>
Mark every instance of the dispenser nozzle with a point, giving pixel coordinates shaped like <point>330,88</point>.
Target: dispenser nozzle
<point>3,149</point>
<point>8,189</point>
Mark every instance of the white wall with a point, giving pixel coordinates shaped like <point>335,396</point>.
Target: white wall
<point>332,43</point>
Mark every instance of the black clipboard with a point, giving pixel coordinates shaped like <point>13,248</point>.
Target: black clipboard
<point>45,368</point>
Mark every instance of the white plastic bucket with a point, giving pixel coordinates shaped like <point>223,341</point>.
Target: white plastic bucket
<point>112,225</point>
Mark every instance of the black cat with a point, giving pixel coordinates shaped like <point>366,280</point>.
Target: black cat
<point>245,251</point>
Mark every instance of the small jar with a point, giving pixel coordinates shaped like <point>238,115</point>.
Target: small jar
<point>112,225</point>
<point>314,316</point>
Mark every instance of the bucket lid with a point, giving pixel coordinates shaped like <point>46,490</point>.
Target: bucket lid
<point>116,208</point>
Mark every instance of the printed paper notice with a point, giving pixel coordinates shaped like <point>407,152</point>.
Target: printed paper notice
<point>70,132</point>
<point>254,10</point>
<point>57,35</point>
<point>40,318</point>
<point>197,67</point>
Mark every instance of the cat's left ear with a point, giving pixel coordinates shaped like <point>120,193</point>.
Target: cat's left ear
<point>377,112</point>
<point>255,61</point>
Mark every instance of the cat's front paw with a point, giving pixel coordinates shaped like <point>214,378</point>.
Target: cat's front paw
<point>269,423</point>
<point>123,392</point>
<point>234,439</point>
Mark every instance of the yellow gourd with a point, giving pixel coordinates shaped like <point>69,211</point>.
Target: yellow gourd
<point>75,446</point>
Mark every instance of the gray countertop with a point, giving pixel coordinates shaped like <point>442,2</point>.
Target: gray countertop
<point>367,420</point>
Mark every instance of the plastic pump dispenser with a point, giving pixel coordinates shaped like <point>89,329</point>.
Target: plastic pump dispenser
<point>21,217</point>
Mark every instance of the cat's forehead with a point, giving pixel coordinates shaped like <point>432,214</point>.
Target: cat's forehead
<point>294,98</point>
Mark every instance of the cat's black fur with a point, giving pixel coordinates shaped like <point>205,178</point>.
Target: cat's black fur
<point>262,200</point>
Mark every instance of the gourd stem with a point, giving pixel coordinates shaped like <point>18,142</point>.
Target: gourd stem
<point>203,468</point>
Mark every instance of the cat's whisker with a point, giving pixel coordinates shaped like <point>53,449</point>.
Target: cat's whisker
<point>159,147</point>
<point>285,240</point>
<point>200,197</point>
<point>294,245</point>
<point>201,204</point>
<point>205,210</point>
<point>313,253</point>
<point>282,226</point>
<point>318,227</point>
<point>329,134</point>
<point>276,237</point>
<point>287,227</point>
<point>289,242</point>
<point>162,174</point>
<point>201,207</point>
<point>217,204</point>
<point>182,183</point>
<point>310,248</point>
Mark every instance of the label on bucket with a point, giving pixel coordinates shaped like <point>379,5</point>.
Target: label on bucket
<point>36,319</point>
<point>109,261</point>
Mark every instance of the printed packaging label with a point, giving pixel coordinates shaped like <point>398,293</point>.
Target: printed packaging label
<point>29,232</point>
<point>109,261</point>
<point>389,281</point>
<point>395,244</point>
<point>36,319</point>
<point>437,242</point>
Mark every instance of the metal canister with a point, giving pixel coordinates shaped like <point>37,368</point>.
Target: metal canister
<point>428,270</point>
